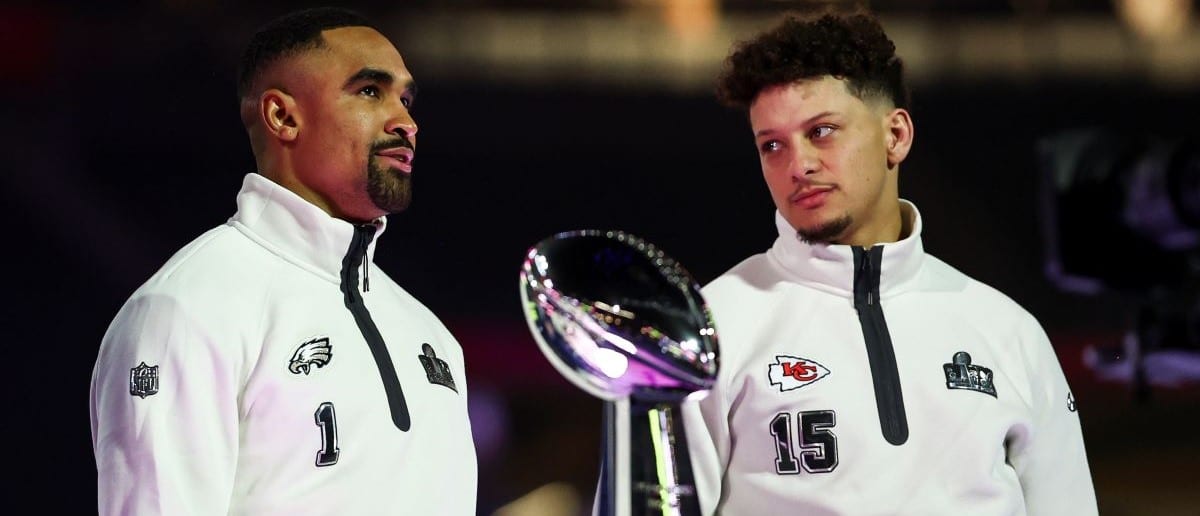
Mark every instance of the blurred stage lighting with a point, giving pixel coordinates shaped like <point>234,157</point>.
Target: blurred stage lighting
<point>1121,214</point>
<point>1158,21</point>
<point>1120,211</point>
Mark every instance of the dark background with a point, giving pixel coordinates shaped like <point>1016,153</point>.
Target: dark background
<point>121,142</point>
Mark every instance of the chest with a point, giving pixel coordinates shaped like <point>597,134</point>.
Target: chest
<point>804,377</point>
<point>387,376</point>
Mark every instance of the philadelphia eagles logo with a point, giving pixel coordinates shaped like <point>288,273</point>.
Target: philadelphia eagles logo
<point>316,352</point>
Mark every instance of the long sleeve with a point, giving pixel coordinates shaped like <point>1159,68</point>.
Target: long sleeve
<point>706,424</point>
<point>1051,461</point>
<point>164,411</point>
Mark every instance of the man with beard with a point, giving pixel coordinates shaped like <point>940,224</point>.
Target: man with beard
<point>269,367</point>
<point>860,375</point>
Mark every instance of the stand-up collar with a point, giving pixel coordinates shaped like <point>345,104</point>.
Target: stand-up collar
<point>831,267</point>
<point>294,228</point>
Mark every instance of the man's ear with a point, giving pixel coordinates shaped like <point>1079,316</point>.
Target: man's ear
<point>279,114</point>
<point>898,126</point>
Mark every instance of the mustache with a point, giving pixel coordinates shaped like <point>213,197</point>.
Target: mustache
<point>382,145</point>
<point>805,184</point>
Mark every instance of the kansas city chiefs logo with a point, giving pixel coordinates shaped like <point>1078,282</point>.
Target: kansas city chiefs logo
<point>790,372</point>
<point>316,352</point>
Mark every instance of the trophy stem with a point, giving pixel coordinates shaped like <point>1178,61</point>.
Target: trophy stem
<point>646,469</point>
<point>613,500</point>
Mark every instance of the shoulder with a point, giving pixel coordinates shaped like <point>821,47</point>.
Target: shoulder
<point>972,296</point>
<point>212,259</point>
<point>756,273</point>
<point>741,290</point>
<point>202,285</point>
<point>737,301</point>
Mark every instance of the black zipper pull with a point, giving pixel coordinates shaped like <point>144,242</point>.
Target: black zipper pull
<point>366,264</point>
<point>866,271</point>
<point>366,277</point>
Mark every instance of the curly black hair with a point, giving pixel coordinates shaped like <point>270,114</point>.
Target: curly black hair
<point>291,34</point>
<point>849,46</point>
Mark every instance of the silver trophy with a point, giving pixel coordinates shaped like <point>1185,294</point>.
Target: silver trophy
<point>626,323</point>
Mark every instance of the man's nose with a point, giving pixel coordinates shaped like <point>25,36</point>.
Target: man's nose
<point>402,125</point>
<point>804,160</point>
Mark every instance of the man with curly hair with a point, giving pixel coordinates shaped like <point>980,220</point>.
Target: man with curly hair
<point>861,375</point>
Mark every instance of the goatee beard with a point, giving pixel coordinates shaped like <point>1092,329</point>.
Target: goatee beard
<point>390,190</point>
<point>825,233</point>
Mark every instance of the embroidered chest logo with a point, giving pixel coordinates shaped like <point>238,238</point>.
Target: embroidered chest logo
<point>789,372</point>
<point>143,380</point>
<point>316,352</point>
<point>961,374</point>
<point>436,369</point>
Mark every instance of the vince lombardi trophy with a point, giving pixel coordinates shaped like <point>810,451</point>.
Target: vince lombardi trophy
<point>627,324</point>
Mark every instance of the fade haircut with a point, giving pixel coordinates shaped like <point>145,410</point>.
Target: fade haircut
<point>289,35</point>
<point>848,46</point>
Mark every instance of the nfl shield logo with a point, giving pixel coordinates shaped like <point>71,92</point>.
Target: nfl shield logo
<point>143,380</point>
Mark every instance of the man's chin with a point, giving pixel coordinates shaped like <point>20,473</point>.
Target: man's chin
<point>390,206</point>
<point>390,189</point>
<point>825,232</point>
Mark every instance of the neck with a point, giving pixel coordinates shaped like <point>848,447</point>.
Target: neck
<point>278,168</point>
<point>907,219</point>
<point>890,225</point>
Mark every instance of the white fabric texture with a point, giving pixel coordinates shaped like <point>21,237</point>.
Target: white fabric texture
<point>1019,452</point>
<point>235,425</point>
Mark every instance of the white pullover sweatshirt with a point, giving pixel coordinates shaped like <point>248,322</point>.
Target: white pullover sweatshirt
<point>270,367</point>
<point>881,382</point>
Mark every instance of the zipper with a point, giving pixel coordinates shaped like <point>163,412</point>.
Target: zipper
<point>356,256</point>
<point>366,266</point>
<point>885,376</point>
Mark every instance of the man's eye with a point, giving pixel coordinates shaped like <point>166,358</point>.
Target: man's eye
<point>822,131</point>
<point>406,101</point>
<point>370,91</point>
<point>769,146</point>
